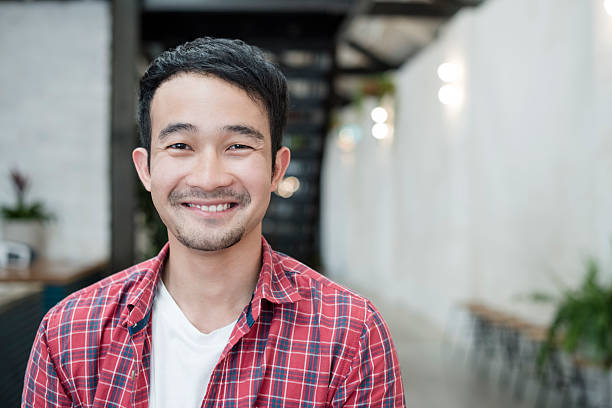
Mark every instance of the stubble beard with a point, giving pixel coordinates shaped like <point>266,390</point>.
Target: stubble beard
<point>207,243</point>
<point>210,240</point>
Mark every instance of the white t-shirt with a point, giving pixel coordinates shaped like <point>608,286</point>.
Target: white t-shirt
<point>182,357</point>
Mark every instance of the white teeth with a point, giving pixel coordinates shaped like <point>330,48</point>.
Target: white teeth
<point>211,208</point>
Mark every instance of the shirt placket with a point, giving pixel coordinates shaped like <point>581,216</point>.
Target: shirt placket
<point>139,374</point>
<point>217,387</point>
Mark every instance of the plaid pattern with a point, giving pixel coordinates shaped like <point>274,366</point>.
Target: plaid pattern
<point>303,341</point>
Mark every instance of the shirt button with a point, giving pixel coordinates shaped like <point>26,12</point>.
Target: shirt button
<point>133,375</point>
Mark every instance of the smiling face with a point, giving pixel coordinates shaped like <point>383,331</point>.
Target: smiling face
<point>210,173</point>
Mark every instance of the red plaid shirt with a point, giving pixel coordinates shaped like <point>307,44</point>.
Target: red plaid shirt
<point>303,341</point>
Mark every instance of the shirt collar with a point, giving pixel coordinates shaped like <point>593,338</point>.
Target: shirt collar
<point>273,284</point>
<point>140,298</point>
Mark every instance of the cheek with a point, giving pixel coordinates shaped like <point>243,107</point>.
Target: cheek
<point>256,177</point>
<point>162,184</point>
<point>165,173</point>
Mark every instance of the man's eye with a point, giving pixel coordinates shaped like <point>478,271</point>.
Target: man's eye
<point>238,146</point>
<point>178,146</point>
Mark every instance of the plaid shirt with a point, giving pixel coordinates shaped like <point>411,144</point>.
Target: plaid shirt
<point>303,341</point>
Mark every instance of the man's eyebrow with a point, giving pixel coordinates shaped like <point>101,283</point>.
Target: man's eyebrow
<point>245,130</point>
<point>176,127</point>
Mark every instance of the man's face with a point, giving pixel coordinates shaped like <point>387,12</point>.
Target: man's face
<point>210,174</point>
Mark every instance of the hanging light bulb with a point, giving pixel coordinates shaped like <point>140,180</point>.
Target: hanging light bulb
<point>380,131</point>
<point>449,95</point>
<point>608,6</point>
<point>379,114</point>
<point>449,72</point>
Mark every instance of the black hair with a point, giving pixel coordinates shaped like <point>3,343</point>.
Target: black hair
<point>233,61</point>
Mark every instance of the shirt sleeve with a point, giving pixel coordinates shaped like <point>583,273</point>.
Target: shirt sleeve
<point>374,378</point>
<point>42,387</point>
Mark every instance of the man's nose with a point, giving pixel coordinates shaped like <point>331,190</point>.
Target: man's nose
<point>209,172</point>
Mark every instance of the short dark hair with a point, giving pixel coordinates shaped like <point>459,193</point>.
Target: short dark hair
<point>233,61</point>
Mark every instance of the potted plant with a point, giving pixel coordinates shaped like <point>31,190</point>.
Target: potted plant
<point>24,222</point>
<point>582,328</point>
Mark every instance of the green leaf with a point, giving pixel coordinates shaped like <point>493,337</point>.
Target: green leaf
<point>583,320</point>
<point>541,297</point>
<point>33,211</point>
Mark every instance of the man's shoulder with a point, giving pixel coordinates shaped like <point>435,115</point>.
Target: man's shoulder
<point>330,298</point>
<point>103,300</point>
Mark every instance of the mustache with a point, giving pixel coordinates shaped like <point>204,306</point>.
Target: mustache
<point>223,194</point>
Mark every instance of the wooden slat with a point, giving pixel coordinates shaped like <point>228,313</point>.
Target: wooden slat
<point>53,272</point>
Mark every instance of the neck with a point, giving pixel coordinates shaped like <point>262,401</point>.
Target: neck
<point>212,288</point>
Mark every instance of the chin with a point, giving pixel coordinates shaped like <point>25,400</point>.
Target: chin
<point>211,244</point>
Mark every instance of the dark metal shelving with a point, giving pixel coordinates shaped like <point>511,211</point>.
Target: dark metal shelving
<point>292,224</point>
<point>302,44</point>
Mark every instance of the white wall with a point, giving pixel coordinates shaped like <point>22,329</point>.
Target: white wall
<point>500,196</point>
<point>54,116</point>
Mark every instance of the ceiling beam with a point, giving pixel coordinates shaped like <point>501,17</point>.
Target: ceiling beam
<point>377,61</point>
<point>361,7</point>
<point>450,4</point>
<point>394,8</point>
<point>244,6</point>
<point>433,8</point>
<point>368,70</point>
<point>287,30</point>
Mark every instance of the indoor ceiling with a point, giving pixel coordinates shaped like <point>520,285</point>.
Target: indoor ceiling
<point>371,36</point>
<point>380,35</point>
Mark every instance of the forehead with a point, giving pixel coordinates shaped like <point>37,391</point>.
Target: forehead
<point>207,102</point>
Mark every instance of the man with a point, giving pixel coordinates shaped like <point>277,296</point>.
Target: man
<point>217,319</point>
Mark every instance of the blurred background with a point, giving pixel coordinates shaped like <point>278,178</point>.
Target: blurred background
<point>451,160</point>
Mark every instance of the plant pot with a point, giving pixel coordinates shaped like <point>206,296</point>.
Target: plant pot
<point>30,232</point>
<point>596,385</point>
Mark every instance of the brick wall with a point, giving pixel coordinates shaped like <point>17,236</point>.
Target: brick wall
<point>54,116</point>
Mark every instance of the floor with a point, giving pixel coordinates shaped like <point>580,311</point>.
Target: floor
<point>439,372</point>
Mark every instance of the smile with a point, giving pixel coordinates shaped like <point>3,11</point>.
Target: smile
<point>211,208</point>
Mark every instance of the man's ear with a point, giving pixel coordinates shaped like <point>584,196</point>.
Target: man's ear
<point>140,156</point>
<point>283,157</point>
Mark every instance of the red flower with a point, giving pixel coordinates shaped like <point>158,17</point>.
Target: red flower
<point>20,182</point>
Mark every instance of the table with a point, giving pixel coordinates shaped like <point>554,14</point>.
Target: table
<point>58,278</point>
